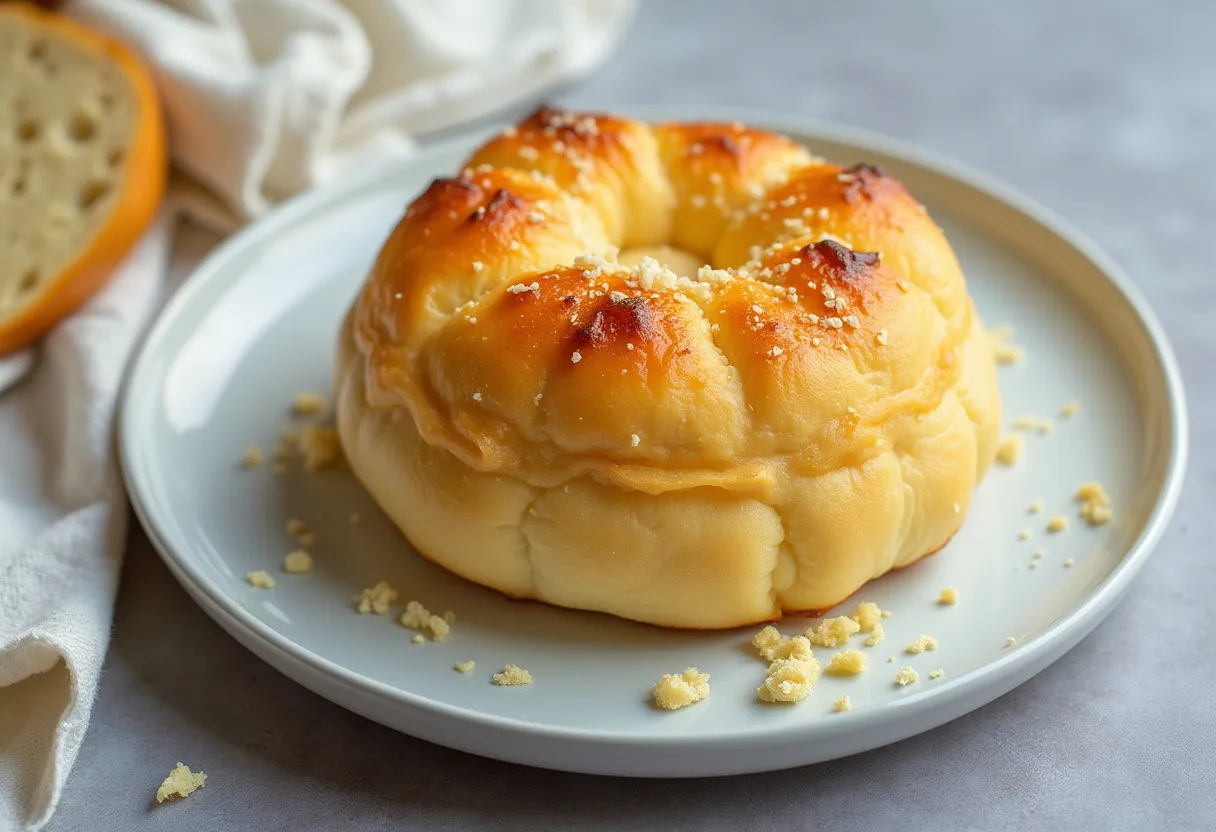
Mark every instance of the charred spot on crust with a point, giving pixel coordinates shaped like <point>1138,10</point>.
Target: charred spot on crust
<point>859,179</point>
<point>501,201</point>
<point>617,318</point>
<point>830,258</point>
<point>728,144</point>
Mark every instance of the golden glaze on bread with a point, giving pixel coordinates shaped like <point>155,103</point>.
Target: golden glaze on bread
<point>706,450</point>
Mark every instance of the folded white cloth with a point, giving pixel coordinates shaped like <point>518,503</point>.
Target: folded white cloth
<point>264,98</point>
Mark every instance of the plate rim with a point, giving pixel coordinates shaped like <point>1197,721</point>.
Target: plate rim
<point>1031,657</point>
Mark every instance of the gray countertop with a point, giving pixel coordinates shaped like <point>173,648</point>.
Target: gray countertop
<point>1106,112</point>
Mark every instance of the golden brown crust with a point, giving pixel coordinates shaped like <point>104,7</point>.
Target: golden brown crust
<point>765,436</point>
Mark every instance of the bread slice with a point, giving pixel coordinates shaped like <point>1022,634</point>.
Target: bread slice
<point>82,165</point>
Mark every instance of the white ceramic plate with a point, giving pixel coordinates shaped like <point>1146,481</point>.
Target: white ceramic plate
<point>257,323</point>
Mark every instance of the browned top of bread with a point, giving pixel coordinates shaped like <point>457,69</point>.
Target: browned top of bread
<point>830,307</point>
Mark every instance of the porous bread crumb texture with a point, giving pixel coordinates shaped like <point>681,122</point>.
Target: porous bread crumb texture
<point>297,562</point>
<point>260,579</point>
<point>181,782</point>
<point>252,457</point>
<point>1095,504</point>
<point>948,596</point>
<point>66,120</point>
<point>833,632</point>
<point>847,663</point>
<point>792,669</point>
<point>418,617</point>
<point>512,675</point>
<point>843,704</point>
<point>1009,450</point>
<point>922,644</point>
<point>907,676</point>
<point>679,690</point>
<point>464,667</point>
<point>376,599</point>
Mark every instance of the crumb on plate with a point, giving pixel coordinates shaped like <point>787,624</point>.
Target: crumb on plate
<point>906,676</point>
<point>376,599</point>
<point>260,579</point>
<point>297,562</point>
<point>948,596</point>
<point>512,675</point>
<point>847,663</point>
<point>678,690</point>
<point>922,644</point>
<point>843,704</point>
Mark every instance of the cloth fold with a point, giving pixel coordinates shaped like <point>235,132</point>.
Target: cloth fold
<point>263,99</point>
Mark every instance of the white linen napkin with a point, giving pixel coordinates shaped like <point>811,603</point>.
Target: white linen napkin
<point>263,98</point>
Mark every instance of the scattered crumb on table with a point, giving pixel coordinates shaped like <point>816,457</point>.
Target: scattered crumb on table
<point>181,783</point>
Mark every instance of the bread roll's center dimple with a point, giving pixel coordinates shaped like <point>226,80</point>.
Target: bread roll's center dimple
<point>679,261</point>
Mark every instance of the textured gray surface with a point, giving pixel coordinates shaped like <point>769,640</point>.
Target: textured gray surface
<point>1104,111</point>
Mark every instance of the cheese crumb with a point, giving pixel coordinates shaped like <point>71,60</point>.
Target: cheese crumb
<point>375,599</point>
<point>771,645</point>
<point>1095,504</point>
<point>875,637</point>
<point>922,644</point>
<point>833,632</point>
<point>321,448</point>
<point>418,617</point>
<point>295,526</point>
<point>678,690</point>
<point>576,357</point>
<point>181,782</point>
<point>848,663</point>
<point>1069,410</point>
<point>307,403</point>
<point>464,667</point>
<point>936,674</point>
<point>907,676</point>
<point>843,704</point>
<point>789,680</point>
<point>634,440</point>
<point>867,616</point>
<point>260,579</point>
<point>1009,450</point>
<point>512,675</point>
<point>1057,524</point>
<point>297,562</point>
<point>948,596</point>
<point>252,457</point>
<point>1033,423</point>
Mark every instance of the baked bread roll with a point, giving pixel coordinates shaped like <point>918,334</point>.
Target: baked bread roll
<point>82,165</point>
<point>791,396</point>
